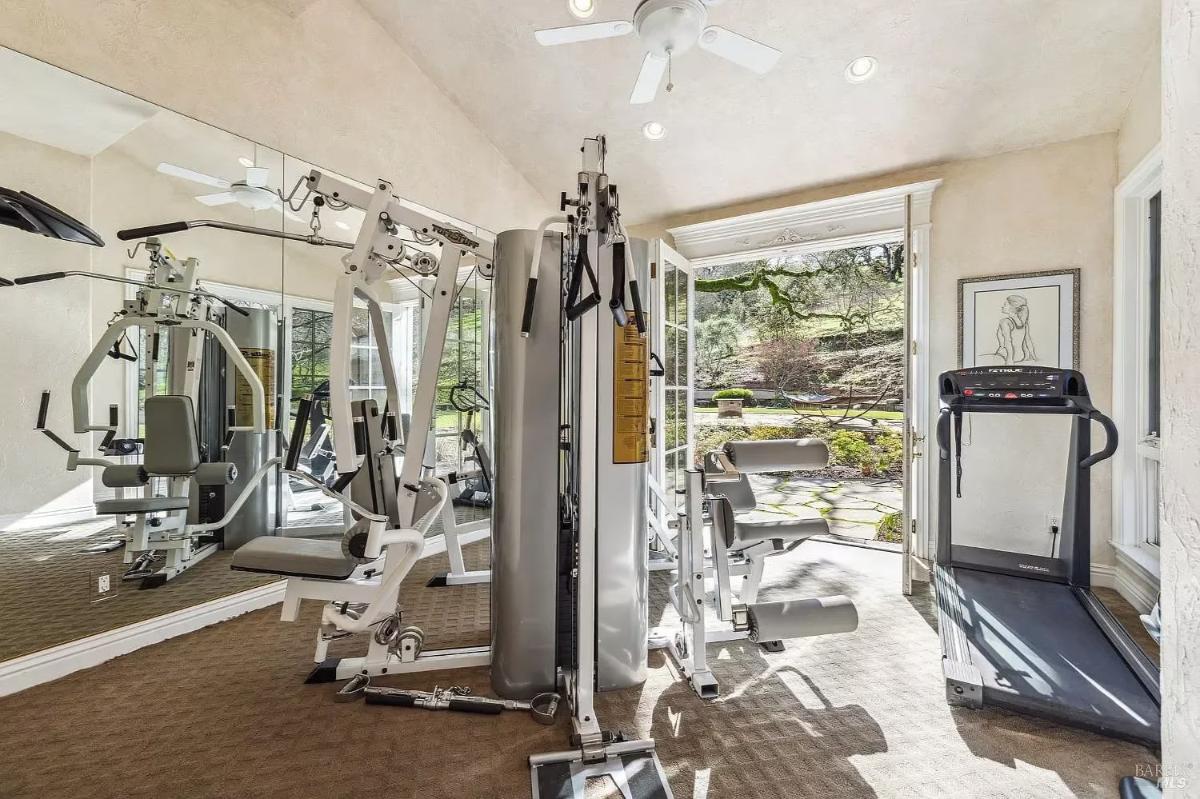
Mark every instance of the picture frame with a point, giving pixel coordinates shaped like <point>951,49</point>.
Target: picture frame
<point>1028,318</point>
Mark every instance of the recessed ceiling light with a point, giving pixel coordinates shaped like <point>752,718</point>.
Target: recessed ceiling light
<point>246,162</point>
<point>654,130</point>
<point>861,69</point>
<point>582,8</point>
<point>342,225</point>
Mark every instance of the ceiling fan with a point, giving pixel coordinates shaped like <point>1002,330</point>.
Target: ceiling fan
<point>668,28</point>
<point>251,192</point>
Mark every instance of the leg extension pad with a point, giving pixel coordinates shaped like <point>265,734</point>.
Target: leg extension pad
<point>799,618</point>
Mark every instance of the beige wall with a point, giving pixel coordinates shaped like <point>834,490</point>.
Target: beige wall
<point>326,84</point>
<point>1141,127</point>
<point>1039,209</point>
<point>40,336</point>
<point>1181,386</point>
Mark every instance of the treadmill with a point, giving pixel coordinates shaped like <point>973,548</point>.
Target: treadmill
<point>1024,632</point>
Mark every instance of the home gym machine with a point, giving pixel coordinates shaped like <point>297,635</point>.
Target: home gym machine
<point>710,608</point>
<point>569,588</point>
<point>166,536</point>
<point>1021,631</point>
<point>359,576</point>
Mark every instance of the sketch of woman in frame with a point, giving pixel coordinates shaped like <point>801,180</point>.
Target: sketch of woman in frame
<point>1014,340</point>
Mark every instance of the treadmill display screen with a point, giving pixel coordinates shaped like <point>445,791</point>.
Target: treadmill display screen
<point>1017,384</point>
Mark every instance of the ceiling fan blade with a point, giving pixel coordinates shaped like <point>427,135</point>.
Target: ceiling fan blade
<point>583,33</point>
<point>648,80</point>
<point>220,198</point>
<point>193,175</point>
<point>257,176</point>
<point>735,47</point>
<point>288,212</point>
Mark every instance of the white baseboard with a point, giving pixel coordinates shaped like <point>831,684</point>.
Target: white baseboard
<point>1104,576</point>
<point>1129,582</point>
<point>59,661</point>
<point>49,518</point>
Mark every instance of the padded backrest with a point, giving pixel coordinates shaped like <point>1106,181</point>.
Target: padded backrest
<point>785,455</point>
<point>722,519</point>
<point>739,491</point>
<point>171,445</point>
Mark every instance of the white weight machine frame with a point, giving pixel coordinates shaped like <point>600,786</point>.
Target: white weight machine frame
<point>170,299</point>
<point>379,250</point>
<point>722,613</point>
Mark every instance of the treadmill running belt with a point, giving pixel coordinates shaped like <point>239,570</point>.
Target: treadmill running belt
<point>1038,650</point>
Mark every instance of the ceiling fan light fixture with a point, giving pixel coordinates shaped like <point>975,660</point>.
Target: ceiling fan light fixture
<point>861,69</point>
<point>582,9</point>
<point>654,131</point>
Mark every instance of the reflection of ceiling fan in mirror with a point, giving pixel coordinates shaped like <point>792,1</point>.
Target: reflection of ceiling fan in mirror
<point>252,192</point>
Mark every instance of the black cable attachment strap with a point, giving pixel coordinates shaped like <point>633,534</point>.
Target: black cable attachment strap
<point>616,301</point>
<point>296,444</point>
<point>639,316</point>
<point>578,307</point>
<point>958,468</point>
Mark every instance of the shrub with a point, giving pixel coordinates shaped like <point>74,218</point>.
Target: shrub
<point>878,453</point>
<point>743,394</point>
<point>772,432</point>
<point>849,448</point>
<point>712,437</point>
<point>889,528</point>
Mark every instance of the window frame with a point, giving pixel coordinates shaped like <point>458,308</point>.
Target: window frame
<point>1136,501</point>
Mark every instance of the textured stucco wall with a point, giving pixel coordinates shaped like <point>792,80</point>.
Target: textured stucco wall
<point>1141,127</point>
<point>1181,385</point>
<point>319,80</point>
<point>43,331</point>
<point>1039,209</point>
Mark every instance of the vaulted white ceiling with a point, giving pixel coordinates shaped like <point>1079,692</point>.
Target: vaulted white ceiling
<point>957,79</point>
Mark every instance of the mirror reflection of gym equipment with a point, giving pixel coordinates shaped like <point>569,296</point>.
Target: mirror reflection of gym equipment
<point>308,478</point>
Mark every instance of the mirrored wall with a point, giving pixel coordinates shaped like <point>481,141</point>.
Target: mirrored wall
<point>99,527</point>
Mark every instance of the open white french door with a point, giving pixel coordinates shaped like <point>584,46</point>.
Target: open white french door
<point>918,510</point>
<point>672,283</point>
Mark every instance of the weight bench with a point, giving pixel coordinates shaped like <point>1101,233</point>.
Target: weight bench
<point>345,569</point>
<point>739,548</point>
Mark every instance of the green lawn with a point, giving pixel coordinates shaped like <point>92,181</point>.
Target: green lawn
<point>893,415</point>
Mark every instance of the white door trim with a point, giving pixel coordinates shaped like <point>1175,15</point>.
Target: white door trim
<point>1137,564</point>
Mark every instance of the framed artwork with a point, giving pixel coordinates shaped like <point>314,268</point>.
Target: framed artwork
<point>1027,319</point>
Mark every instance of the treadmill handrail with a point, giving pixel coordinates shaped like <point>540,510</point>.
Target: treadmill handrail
<point>1110,442</point>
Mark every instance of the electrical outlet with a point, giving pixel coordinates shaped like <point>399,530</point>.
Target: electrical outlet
<point>1053,524</point>
<point>101,586</point>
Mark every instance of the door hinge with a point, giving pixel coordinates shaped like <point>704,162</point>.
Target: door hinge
<point>914,348</point>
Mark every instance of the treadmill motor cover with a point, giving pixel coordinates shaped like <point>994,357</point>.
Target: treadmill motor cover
<point>23,211</point>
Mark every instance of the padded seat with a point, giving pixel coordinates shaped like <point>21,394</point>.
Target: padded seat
<point>747,534</point>
<point>318,558</point>
<point>740,535</point>
<point>142,504</point>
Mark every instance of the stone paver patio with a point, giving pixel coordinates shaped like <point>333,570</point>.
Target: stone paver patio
<point>852,506</point>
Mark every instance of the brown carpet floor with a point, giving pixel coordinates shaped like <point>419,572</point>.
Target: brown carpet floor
<point>46,587</point>
<point>46,582</point>
<point>223,712</point>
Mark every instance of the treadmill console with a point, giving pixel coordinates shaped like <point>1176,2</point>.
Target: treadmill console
<point>1019,385</point>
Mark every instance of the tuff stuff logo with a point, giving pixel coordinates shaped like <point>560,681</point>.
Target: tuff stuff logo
<point>455,236</point>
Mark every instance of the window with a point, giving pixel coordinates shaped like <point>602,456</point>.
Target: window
<point>311,340</point>
<point>1137,373</point>
<point>1149,442</point>
<point>464,363</point>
